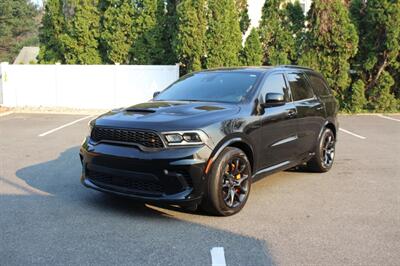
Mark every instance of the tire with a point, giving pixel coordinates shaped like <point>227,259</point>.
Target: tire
<point>324,153</point>
<point>228,183</point>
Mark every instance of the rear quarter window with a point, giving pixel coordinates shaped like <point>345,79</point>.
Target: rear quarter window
<point>319,85</point>
<point>299,86</point>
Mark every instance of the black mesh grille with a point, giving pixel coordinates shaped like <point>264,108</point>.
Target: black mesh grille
<point>144,138</point>
<point>146,186</point>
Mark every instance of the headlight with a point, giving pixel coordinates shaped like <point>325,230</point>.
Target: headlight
<point>90,127</point>
<point>194,137</point>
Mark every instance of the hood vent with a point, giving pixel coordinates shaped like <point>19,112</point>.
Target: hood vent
<point>140,111</point>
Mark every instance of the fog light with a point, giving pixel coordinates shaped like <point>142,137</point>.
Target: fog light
<point>173,138</point>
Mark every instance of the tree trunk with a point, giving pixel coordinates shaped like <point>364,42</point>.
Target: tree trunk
<point>375,79</point>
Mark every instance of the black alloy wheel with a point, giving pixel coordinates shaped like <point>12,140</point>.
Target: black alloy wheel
<point>229,183</point>
<point>324,156</point>
<point>328,150</point>
<point>235,182</point>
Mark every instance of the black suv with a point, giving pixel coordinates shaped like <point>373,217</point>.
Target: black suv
<point>202,140</point>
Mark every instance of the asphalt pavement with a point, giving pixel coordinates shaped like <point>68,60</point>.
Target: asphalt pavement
<point>348,216</point>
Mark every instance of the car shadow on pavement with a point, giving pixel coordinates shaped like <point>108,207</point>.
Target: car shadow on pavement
<point>75,225</point>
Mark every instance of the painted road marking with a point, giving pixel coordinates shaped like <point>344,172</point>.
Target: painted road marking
<point>64,126</point>
<point>388,117</point>
<point>351,133</point>
<point>6,113</point>
<point>218,256</point>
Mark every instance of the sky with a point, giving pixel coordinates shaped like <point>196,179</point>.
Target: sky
<point>255,7</point>
<point>38,2</point>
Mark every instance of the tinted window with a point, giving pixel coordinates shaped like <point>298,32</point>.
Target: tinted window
<point>275,84</point>
<point>211,87</point>
<point>299,87</point>
<point>318,85</point>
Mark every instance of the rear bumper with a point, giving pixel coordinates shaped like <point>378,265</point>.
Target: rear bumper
<point>171,176</point>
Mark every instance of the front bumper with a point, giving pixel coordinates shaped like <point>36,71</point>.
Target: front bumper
<point>171,176</point>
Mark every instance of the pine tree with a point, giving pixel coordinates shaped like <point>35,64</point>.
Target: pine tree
<point>377,62</point>
<point>252,53</point>
<point>224,39</point>
<point>116,36</point>
<point>357,97</point>
<point>170,30</point>
<point>295,23</point>
<point>244,19</point>
<point>18,27</point>
<point>381,97</point>
<point>277,40</point>
<point>53,25</point>
<point>295,17</point>
<point>189,42</point>
<point>82,31</point>
<point>149,23</point>
<point>331,41</point>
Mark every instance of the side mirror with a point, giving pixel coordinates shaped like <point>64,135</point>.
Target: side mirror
<point>274,99</point>
<point>155,94</point>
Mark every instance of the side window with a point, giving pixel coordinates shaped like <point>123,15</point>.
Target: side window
<point>299,86</point>
<point>275,83</point>
<point>318,85</point>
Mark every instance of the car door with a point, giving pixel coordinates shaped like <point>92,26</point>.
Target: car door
<point>279,137</point>
<point>310,112</point>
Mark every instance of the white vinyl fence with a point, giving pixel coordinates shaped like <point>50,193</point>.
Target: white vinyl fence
<point>82,86</point>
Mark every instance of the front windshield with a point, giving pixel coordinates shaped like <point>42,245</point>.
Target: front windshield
<point>231,87</point>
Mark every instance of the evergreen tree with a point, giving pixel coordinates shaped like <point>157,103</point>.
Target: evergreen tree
<point>18,27</point>
<point>149,23</point>
<point>224,39</point>
<point>170,30</point>
<point>277,40</point>
<point>189,42</point>
<point>82,30</point>
<point>49,35</point>
<point>295,17</point>
<point>357,97</point>
<point>377,62</point>
<point>116,33</point>
<point>331,41</point>
<point>381,98</point>
<point>252,53</point>
<point>295,23</point>
<point>244,19</point>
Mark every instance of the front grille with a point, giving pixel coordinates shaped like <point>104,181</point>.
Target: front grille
<point>131,136</point>
<point>146,186</point>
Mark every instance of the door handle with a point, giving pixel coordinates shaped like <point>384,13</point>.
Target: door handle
<point>291,113</point>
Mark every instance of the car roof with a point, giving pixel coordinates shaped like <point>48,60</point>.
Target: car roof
<point>257,69</point>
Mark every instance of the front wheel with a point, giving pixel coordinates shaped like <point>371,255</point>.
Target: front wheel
<point>324,153</point>
<point>229,183</point>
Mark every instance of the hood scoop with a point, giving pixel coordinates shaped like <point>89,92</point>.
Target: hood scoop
<point>139,110</point>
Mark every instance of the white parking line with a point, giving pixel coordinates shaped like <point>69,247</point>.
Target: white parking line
<point>218,256</point>
<point>6,113</point>
<point>63,126</point>
<point>351,133</point>
<point>389,118</point>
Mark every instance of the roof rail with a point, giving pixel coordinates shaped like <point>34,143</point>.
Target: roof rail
<point>295,66</point>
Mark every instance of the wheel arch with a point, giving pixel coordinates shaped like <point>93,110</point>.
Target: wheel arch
<point>332,127</point>
<point>237,142</point>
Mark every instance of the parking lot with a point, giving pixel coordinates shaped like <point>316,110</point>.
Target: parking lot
<point>348,216</point>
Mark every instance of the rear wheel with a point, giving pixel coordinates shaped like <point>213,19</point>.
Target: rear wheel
<point>229,183</point>
<point>324,153</point>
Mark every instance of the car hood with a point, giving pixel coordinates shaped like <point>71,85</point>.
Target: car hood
<point>168,116</point>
